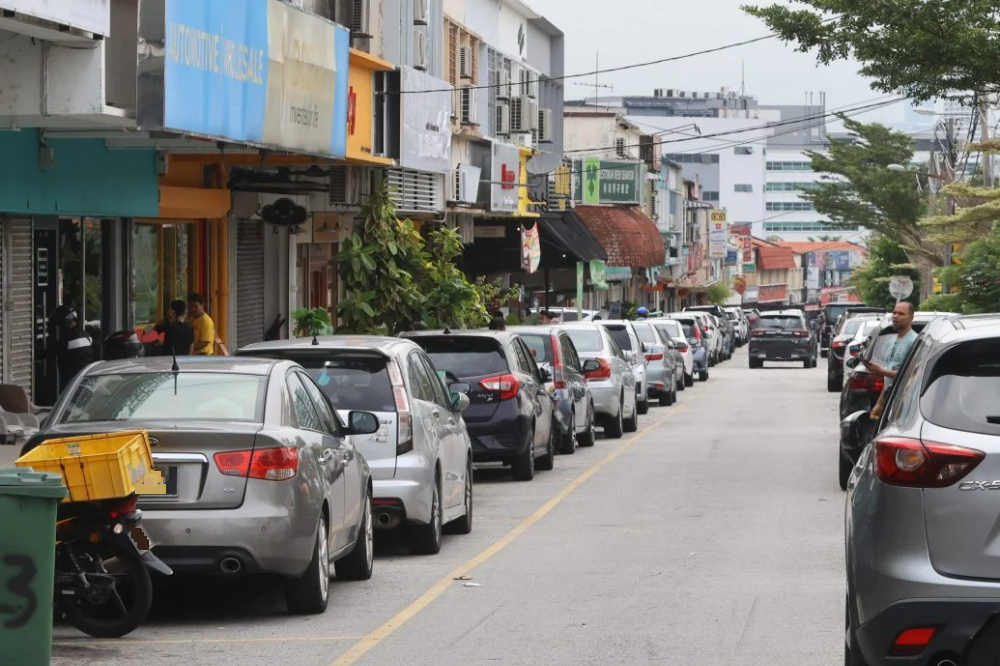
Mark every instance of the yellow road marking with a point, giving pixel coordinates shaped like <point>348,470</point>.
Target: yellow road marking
<point>202,641</point>
<point>359,649</point>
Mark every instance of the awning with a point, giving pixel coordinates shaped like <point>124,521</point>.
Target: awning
<point>630,238</point>
<point>567,233</point>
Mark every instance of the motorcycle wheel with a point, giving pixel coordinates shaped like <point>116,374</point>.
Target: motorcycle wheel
<point>122,591</point>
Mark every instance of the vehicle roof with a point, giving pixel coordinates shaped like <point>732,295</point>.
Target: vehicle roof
<point>783,313</point>
<point>505,335</point>
<point>535,330</point>
<point>955,328</point>
<point>154,364</point>
<point>599,322</point>
<point>367,342</point>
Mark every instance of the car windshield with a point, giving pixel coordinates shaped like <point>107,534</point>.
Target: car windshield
<point>851,326</point>
<point>645,333</point>
<point>620,334</point>
<point>540,345</point>
<point>963,390</point>
<point>568,315</point>
<point>465,356</point>
<point>586,340</point>
<point>833,312</point>
<point>785,322</point>
<point>164,396</point>
<point>351,381</point>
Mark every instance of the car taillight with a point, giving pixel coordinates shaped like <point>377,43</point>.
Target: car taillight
<point>757,332</point>
<point>124,509</point>
<point>655,355</point>
<point>506,385</point>
<point>603,372</point>
<point>912,642</point>
<point>801,334</point>
<point>863,381</point>
<point>558,373</point>
<point>404,418</point>
<point>838,344</point>
<point>276,464</point>
<point>915,464</point>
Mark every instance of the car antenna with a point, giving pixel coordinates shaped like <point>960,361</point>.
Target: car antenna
<point>174,368</point>
<point>315,342</point>
<point>447,331</point>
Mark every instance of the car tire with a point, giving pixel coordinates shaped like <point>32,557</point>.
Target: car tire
<point>756,364</point>
<point>681,385</point>
<point>463,525</point>
<point>632,424</point>
<point>522,468</point>
<point>642,407</point>
<point>359,563</point>
<point>426,539</point>
<point>588,436</point>
<point>547,461</point>
<point>614,426</point>
<point>807,364</point>
<point>824,352</point>
<point>309,593</point>
<point>845,471</point>
<point>704,375</point>
<point>666,399</point>
<point>689,379</point>
<point>567,441</point>
<point>832,385</point>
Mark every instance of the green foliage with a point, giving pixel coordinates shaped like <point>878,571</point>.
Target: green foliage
<point>718,293</point>
<point>942,303</point>
<point>977,278</point>
<point>886,259</point>
<point>310,322</point>
<point>450,299</point>
<point>921,48</point>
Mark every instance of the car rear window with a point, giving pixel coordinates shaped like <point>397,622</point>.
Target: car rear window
<point>620,334</point>
<point>833,312</point>
<point>688,327</point>
<point>963,390</point>
<point>465,356</point>
<point>672,328</point>
<point>540,346</point>
<point>645,333</point>
<point>568,315</point>
<point>586,340</point>
<point>851,326</point>
<point>789,323</point>
<point>352,382</point>
<point>164,396</point>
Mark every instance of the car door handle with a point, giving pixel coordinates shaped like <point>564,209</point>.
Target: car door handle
<point>451,420</point>
<point>326,457</point>
<point>436,414</point>
<point>346,455</point>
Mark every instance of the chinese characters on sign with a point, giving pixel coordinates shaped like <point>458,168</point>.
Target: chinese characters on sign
<point>604,182</point>
<point>718,234</point>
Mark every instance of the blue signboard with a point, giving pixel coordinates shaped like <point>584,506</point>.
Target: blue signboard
<point>256,71</point>
<point>732,257</point>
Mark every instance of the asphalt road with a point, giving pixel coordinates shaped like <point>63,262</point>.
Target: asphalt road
<point>713,536</point>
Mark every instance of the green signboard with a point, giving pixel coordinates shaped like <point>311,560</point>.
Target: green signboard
<point>603,182</point>
<point>749,268</point>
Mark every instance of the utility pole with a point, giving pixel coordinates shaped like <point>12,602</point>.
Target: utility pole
<point>984,120</point>
<point>596,85</point>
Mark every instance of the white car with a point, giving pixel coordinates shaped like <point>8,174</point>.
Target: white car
<point>740,323</point>
<point>571,314</point>
<point>672,328</point>
<point>631,346</point>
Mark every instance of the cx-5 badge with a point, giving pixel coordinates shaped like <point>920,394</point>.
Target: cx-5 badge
<point>979,485</point>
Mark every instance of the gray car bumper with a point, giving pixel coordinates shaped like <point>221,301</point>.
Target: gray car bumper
<point>411,485</point>
<point>607,400</point>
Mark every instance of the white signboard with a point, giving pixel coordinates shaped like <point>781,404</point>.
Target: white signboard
<point>426,133</point>
<point>89,15</point>
<point>504,185</point>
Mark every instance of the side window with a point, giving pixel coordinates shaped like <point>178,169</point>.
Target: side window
<point>323,408</point>
<point>615,349</point>
<point>904,398</point>
<point>305,410</point>
<point>569,353</point>
<point>440,394</point>
<point>420,385</point>
<point>524,357</point>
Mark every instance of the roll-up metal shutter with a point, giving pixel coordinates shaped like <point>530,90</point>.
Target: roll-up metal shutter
<point>249,282</point>
<point>19,308</point>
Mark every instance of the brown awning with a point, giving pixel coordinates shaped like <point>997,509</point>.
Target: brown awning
<point>630,238</point>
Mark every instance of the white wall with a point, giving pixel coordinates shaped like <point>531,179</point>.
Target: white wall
<point>481,17</point>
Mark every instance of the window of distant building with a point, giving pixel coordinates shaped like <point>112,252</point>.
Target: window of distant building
<point>790,206</point>
<point>778,227</point>
<point>789,166</point>
<point>709,196</point>
<point>743,187</point>
<point>743,150</point>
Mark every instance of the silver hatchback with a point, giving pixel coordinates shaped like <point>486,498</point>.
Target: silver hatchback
<point>922,528</point>
<point>610,378</point>
<point>261,475</point>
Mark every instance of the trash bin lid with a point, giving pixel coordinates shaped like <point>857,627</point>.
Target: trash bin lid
<point>25,482</point>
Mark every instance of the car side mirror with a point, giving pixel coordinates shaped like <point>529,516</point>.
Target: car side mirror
<point>459,402</point>
<point>671,345</point>
<point>591,365</point>
<point>856,348</point>
<point>460,387</point>
<point>362,423</point>
<point>645,347</point>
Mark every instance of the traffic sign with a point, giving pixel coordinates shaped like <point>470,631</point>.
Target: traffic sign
<point>900,287</point>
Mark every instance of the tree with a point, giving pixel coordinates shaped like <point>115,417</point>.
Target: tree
<point>921,48</point>
<point>718,293</point>
<point>886,259</point>
<point>976,277</point>
<point>858,189</point>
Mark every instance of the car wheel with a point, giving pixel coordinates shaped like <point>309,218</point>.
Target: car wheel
<point>832,385</point>
<point>680,383</point>
<point>666,399</point>
<point>426,539</point>
<point>852,652</point>
<point>309,593</point>
<point>631,424</point>
<point>704,375</point>
<point>548,461</point>
<point>567,444</point>
<point>756,364</point>
<point>643,406</point>
<point>523,467</point>
<point>824,352</point>
<point>359,564</point>
<point>588,436</point>
<point>845,471</point>
<point>463,525</point>
<point>689,379</point>
<point>614,426</point>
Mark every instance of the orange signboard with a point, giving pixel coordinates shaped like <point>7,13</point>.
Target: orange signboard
<point>360,107</point>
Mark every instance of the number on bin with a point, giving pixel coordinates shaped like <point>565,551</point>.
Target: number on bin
<point>20,586</point>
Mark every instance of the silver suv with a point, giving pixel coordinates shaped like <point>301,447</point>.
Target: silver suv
<point>922,529</point>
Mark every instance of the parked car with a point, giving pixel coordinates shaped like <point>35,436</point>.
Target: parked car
<point>661,364</point>
<point>740,323</point>
<point>828,320</point>
<point>421,456</point>
<point>672,330</point>
<point>572,314</point>
<point>921,539</point>
<point>510,416</point>
<point>553,350</point>
<point>782,335</point>
<point>261,475</point>
<point>713,336</point>
<point>842,336</point>
<point>624,334</point>
<point>857,344</point>
<point>697,338</point>
<point>610,378</point>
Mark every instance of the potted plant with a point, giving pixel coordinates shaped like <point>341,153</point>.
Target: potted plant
<point>311,322</point>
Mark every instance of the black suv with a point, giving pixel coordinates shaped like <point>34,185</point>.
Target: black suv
<point>831,315</point>
<point>782,335</point>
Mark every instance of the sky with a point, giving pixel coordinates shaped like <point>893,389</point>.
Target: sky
<point>640,30</point>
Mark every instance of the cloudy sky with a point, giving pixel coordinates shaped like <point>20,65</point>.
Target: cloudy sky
<point>628,31</point>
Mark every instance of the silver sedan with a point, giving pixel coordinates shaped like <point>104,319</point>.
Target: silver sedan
<point>610,379</point>
<point>261,474</point>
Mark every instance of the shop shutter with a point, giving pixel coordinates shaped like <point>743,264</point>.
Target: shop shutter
<point>249,282</point>
<point>20,309</point>
<point>3,299</point>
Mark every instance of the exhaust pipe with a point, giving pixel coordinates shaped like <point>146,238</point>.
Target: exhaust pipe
<point>384,519</point>
<point>946,662</point>
<point>230,565</point>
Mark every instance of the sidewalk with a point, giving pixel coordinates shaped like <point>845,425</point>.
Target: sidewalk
<point>8,454</point>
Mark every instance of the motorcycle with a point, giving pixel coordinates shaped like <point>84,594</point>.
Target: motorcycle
<point>103,560</point>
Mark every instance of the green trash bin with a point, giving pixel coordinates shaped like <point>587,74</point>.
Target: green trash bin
<point>28,502</point>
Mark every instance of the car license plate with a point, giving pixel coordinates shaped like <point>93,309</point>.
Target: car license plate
<point>170,479</point>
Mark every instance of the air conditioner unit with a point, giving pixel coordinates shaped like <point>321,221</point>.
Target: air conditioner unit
<point>470,106</point>
<point>620,147</point>
<point>503,119</point>
<point>465,185</point>
<point>525,140</point>
<point>545,126</point>
<point>503,81</point>
<point>347,186</point>
<point>420,12</point>
<point>361,18</point>
<point>533,86</point>
<point>420,50</point>
<point>523,115</point>
<point>465,62</point>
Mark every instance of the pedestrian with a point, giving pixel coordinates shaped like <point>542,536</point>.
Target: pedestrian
<point>498,324</point>
<point>178,334</point>
<point>74,349</point>
<point>203,326</point>
<point>544,318</point>
<point>902,322</point>
<point>642,313</point>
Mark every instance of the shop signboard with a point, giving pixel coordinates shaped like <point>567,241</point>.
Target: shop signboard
<point>87,15</point>
<point>425,107</point>
<point>255,72</point>
<point>618,273</point>
<point>361,107</point>
<point>606,182</point>
<point>718,234</point>
<point>732,257</point>
<point>505,174</point>
<point>749,268</point>
<point>747,249</point>
<point>531,249</point>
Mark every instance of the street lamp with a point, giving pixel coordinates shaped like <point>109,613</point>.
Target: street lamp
<point>902,169</point>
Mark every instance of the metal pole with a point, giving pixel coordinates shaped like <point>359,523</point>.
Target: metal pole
<point>547,287</point>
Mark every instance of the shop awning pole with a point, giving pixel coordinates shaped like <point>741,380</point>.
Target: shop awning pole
<point>546,287</point>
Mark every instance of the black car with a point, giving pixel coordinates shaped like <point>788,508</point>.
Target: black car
<point>828,321</point>
<point>510,415</point>
<point>782,335</point>
<point>846,332</point>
